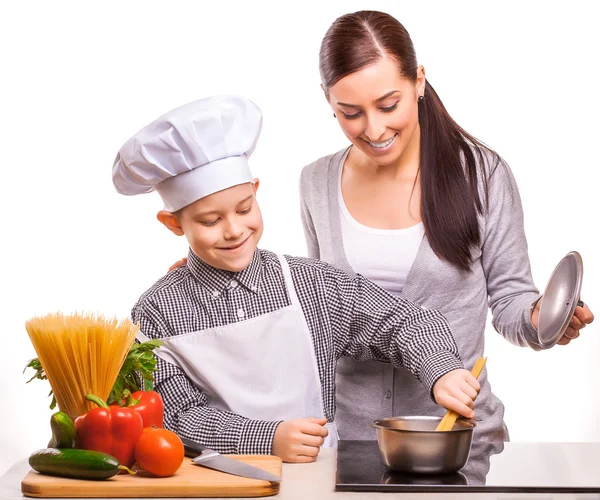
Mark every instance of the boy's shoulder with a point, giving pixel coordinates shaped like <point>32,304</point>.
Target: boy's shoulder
<point>165,289</point>
<point>306,266</point>
<point>315,265</point>
<point>270,259</point>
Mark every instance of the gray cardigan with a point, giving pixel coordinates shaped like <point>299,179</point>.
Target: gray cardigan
<point>500,273</point>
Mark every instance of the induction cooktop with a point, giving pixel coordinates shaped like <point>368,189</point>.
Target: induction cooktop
<point>492,467</point>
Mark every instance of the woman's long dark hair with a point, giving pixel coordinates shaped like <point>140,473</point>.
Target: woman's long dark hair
<point>450,157</point>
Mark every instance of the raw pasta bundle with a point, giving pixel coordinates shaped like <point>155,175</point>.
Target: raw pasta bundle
<point>80,354</point>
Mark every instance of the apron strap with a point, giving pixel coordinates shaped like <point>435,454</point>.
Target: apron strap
<point>287,276</point>
<point>141,337</point>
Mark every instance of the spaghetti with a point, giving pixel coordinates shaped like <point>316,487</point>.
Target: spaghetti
<point>80,354</point>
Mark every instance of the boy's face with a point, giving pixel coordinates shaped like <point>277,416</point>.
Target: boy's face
<point>223,229</point>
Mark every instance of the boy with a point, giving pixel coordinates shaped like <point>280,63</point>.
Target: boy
<point>251,339</point>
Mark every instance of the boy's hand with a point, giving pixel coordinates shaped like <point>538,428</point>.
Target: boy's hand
<point>299,440</point>
<point>457,391</point>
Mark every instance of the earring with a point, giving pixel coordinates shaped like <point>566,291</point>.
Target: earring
<point>421,98</point>
<point>334,115</point>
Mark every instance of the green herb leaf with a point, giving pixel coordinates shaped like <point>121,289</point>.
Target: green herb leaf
<point>140,363</point>
<point>39,370</point>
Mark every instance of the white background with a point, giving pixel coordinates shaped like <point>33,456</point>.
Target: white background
<point>80,78</point>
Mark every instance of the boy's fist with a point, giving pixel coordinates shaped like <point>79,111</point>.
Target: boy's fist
<point>299,440</point>
<point>457,391</point>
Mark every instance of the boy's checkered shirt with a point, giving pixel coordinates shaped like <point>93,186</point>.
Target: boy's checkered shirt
<point>346,316</point>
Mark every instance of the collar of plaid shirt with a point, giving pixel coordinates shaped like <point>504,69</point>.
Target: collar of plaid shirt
<point>218,280</point>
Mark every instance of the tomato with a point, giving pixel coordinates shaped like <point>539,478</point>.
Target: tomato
<point>159,451</point>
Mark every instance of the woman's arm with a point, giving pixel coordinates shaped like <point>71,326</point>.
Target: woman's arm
<point>505,259</point>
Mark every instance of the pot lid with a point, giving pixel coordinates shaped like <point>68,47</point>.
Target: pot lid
<point>560,299</point>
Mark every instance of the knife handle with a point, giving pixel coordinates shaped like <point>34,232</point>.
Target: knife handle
<point>192,448</point>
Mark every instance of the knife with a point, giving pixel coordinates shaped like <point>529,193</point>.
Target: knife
<point>214,460</point>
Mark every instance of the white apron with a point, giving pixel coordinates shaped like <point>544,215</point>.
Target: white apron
<point>263,368</point>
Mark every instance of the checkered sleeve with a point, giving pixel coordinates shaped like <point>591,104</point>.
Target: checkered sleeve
<point>370,323</point>
<point>187,412</point>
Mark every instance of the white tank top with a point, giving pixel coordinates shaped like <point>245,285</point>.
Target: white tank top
<point>383,256</point>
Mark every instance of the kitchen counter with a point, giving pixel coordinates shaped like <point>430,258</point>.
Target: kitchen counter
<point>315,481</point>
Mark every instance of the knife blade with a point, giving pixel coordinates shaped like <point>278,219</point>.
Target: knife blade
<point>214,460</point>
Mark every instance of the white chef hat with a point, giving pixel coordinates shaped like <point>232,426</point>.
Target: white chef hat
<point>191,152</point>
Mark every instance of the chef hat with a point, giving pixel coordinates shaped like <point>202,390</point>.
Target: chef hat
<point>191,152</point>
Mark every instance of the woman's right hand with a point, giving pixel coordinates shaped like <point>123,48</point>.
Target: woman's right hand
<point>179,263</point>
<point>299,440</point>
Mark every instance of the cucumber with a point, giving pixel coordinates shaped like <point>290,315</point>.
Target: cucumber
<point>74,463</point>
<point>63,431</point>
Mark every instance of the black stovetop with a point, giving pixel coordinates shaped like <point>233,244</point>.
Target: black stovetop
<point>500,467</point>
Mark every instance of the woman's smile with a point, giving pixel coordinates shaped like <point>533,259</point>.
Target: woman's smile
<point>382,146</point>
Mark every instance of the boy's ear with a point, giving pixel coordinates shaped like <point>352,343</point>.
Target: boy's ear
<point>170,221</point>
<point>255,184</point>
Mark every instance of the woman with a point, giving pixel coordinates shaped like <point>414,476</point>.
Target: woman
<point>421,208</point>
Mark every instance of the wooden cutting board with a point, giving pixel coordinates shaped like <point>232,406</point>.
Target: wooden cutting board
<point>189,481</point>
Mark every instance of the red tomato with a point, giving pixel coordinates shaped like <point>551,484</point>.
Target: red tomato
<point>159,451</point>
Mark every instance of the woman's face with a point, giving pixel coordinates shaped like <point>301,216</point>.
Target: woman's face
<point>378,111</point>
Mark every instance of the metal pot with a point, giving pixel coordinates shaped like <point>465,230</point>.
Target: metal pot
<point>412,445</point>
<point>393,477</point>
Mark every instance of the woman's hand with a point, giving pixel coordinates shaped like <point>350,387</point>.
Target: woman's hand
<point>457,391</point>
<point>299,440</point>
<point>179,263</point>
<point>581,317</point>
